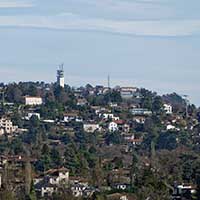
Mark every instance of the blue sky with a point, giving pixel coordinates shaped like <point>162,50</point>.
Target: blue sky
<point>145,43</point>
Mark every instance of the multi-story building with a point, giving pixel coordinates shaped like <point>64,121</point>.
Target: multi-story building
<point>168,109</point>
<point>33,101</point>
<point>6,126</point>
<point>128,92</point>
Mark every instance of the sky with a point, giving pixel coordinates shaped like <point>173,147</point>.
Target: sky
<point>145,43</point>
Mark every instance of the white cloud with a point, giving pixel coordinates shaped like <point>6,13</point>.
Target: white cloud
<point>15,4</point>
<point>77,23</point>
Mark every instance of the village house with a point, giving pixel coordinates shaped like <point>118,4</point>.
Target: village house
<point>33,101</point>
<point>113,126</point>
<point>113,105</point>
<point>82,102</point>
<point>168,108</point>
<point>28,117</point>
<point>127,92</point>
<point>117,196</point>
<point>132,141</point>
<point>51,181</point>
<point>118,125</point>
<point>73,116</point>
<point>6,126</point>
<point>91,128</point>
<point>107,116</point>
<point>183,191</point>
<point>141,111</point>
<point>82,190</point>
<point>139,119</point>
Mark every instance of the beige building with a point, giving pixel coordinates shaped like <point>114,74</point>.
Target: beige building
<point>32,101</point>
<point>91,128</point>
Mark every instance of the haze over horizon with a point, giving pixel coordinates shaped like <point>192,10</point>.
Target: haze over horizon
<point>145,43</point>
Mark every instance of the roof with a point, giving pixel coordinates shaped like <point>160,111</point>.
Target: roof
<point>119,122</point>
<point>29,97</point>
<point>54,171</point>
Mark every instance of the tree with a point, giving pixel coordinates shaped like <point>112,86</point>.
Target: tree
<point>157,105</point>
<point>13,93</point>
<point>55,158</point>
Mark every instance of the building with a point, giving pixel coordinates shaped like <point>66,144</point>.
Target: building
<point>28,117</point>
<point>140,111</point>
<point>182,192</point>
<point>33,101</point>
<point>51,181</point>
<point>6,126</point>
<point>128,92</point>
<point>113,126</point>
<point>91,128</point>
<point>68,117</point>
<point>82,190</point>
<point>60,76</point>
<point>106,115</point>
<point>168,109</point>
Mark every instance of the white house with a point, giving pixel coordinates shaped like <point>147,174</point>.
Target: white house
<point>6,126</point>
<point>81,189</point>
<point>33,114</point>
<point>172,127</point>
<point>168,108</point>
<point>48,190</point>
<point>108,116</point>
<point>32,101</point>
<point>52,179</point>
<point>113,126</point>
<point>78,189</point>
<point>68,117</point>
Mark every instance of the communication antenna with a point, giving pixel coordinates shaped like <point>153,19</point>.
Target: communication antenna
<point>61,66</point>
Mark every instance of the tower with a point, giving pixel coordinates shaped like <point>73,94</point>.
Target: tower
<point>60,76</point>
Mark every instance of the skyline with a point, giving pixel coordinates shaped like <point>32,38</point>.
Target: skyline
<point>145,43</point>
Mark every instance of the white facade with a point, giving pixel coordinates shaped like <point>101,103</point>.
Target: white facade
<point>113,127</point>
<point>63,177</point>
<point>32,101</point>
<point>6,126</point>
<point>47,191</point>
<point>33,114</point>
<point>168,109</point>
